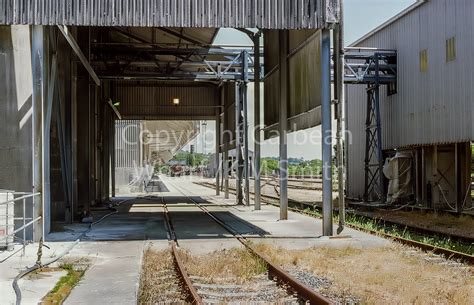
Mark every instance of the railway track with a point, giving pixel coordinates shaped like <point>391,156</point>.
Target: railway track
<point>297,291</point>
<point>300,207</point>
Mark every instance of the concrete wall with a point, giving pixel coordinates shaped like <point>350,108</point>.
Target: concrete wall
<point>15,109</point>
<point>16,172</point>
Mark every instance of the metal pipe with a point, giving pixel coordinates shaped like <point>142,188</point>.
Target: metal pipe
<point>257,150</point>
<point>283,125</point>
<point>326,131</point>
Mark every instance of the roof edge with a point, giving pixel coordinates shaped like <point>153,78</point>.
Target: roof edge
<point>392,20</point>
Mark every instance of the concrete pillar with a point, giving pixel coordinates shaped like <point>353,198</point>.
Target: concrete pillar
<point>283,124</point>
<point>39,64</point>
<point>326,132</point>
<point>257,151</point>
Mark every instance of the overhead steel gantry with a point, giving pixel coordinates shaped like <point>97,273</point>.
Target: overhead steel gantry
<point>373,68</point>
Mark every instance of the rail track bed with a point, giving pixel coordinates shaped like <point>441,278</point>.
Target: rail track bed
<point>417,238</point>
<point>275,285</point>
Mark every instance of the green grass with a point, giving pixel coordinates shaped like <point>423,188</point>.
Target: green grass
<point>406,233</point>
<point>64,286</point>
<point>397,231</point>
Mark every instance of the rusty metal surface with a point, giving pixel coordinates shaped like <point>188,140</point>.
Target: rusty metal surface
<point>283,277</point>
<point>282,14</point>
<point>193,296</point>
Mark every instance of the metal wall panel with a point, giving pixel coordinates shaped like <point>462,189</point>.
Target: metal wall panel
<point>433,107</point>
<point>288,14</point>
<point>154,101</point>
<point>304,76</point>
<point>127,143</point>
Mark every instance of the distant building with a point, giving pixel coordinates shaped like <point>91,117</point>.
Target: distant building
<point>431,114</point>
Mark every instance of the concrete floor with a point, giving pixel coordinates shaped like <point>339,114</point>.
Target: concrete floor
<point>115,246</point>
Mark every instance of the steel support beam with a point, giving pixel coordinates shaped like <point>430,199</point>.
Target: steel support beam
<point>457,179</point>
<point>245,60</point>
<point>283,124</point>
<point>326,132</point>
<point>338,39</point>
<point>226,171</point>
<point>257,135</point>
<point>238,144</point>
<point>77,50</point>
<point>218,152</point>
<point>112,156</point>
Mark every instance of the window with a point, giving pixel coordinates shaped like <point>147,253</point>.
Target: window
<point>451,49</point>
<point>424,60</point>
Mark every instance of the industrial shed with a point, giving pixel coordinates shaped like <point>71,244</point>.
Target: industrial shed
<point>430,113</point>
<point>81,58</point>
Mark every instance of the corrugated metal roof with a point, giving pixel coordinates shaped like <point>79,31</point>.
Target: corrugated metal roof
<point>275,14</point>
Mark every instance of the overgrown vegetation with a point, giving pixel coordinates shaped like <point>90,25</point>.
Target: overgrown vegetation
<point>236,264</point>
<point>398,231</point>
<point>158,282</point>
<point>405,232</point>
<point>299,167</point>
<point>64,286</point>
<point>382,275</point>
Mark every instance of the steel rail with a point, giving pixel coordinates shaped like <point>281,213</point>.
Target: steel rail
<point>302,290</point>
<point>192,295</point>
<point>447,253</point>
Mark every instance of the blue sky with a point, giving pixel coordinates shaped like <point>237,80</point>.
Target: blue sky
<point>361,16</point>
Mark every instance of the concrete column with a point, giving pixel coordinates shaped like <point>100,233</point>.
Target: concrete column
<point>283,124</point>
<point>257,151</point>
<point>41,117</point>
<point>326,132</point>
<point>218,151</point>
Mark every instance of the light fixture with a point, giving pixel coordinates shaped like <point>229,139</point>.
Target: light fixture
<point>116,104</point>
<point>176,101</point>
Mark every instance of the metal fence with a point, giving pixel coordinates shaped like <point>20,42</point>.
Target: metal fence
<point>14,227</point>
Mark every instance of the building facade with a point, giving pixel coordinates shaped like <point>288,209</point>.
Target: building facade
<point>431,114</point>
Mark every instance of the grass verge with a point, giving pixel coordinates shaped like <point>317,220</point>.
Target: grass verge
<point>384,275</point>
<point>64,286</point>
<point>236,264</point>
<point>398,231</point>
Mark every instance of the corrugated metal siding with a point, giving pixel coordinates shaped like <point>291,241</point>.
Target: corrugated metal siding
<point>304,77</point>
<point>432,107</point>
<point>127,143</point>
<point>290,14</point>
<point>148,101</point>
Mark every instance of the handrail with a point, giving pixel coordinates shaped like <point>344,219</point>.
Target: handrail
<point>19,198</point>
